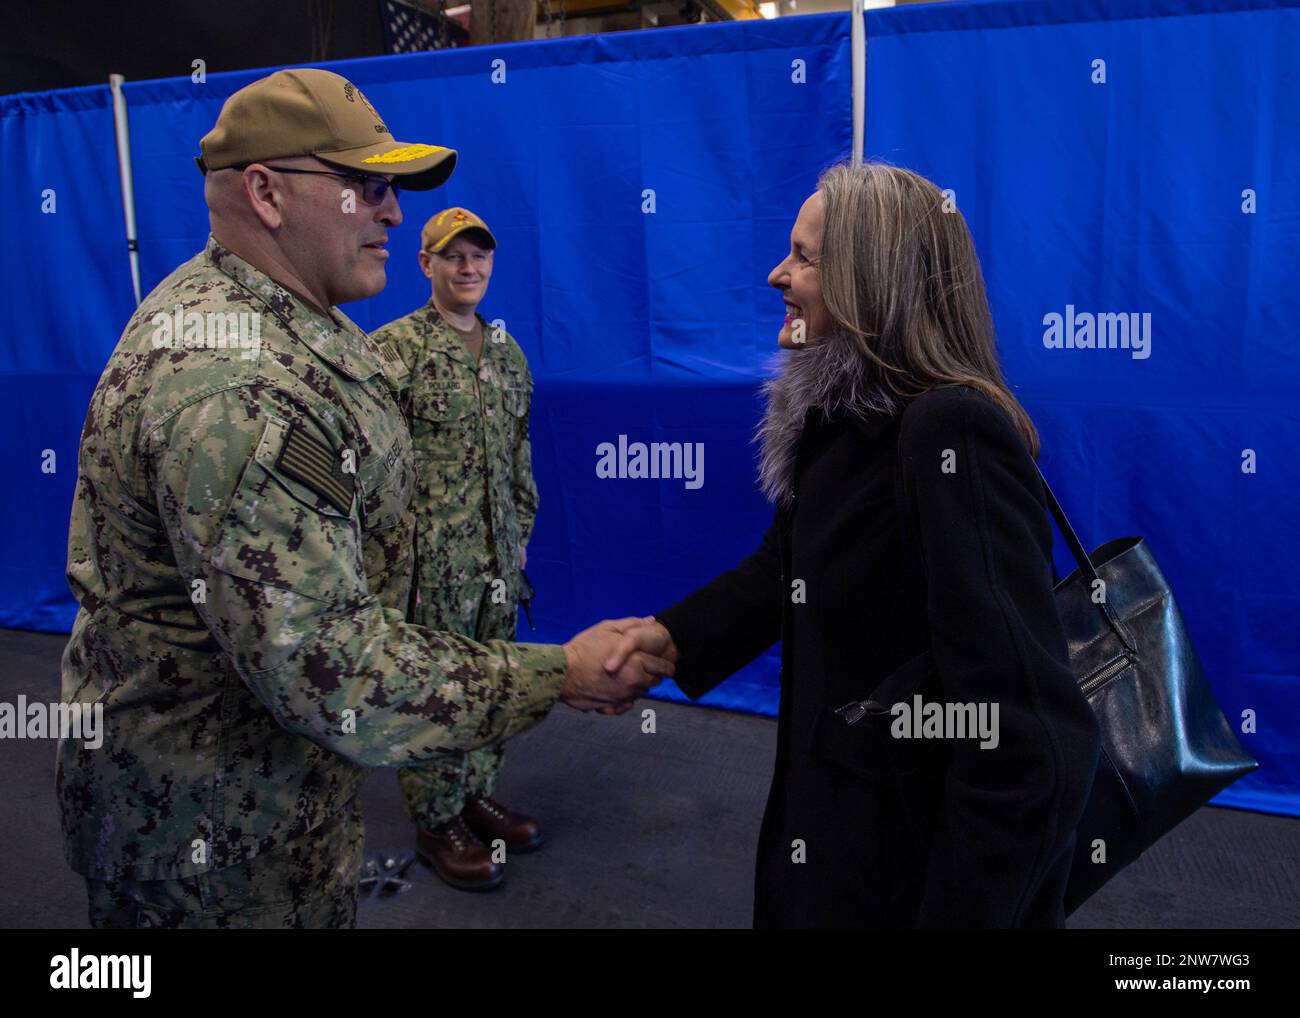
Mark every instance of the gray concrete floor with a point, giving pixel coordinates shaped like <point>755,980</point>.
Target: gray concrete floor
<point>643,831</point>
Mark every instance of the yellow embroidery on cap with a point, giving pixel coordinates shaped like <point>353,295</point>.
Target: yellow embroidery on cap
<point>404,154</point>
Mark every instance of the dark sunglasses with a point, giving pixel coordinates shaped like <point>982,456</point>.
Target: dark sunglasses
<point>373,189</point>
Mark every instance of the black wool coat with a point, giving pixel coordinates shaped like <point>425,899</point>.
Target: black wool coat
<point>923,544</point>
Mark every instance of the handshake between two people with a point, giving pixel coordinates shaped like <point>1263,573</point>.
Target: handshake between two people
<point>616,661</point>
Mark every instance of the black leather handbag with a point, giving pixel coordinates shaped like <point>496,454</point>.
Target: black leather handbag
<point>1166,748</point>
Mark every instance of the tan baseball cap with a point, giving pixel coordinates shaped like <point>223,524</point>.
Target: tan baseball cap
<point>306,111</point>
<point>439,230</point>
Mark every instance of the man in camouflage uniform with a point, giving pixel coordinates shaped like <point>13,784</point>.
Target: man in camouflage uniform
<point>240,546</point>
<point>467,402</point>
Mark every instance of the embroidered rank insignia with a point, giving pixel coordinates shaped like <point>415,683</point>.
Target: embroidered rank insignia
<point>311,462</point>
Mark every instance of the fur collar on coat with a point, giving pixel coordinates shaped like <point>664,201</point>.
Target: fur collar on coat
<point>832,377</point>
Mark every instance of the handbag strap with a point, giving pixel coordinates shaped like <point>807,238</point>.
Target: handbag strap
<point>1085,563</point>
<point>1067,531</point>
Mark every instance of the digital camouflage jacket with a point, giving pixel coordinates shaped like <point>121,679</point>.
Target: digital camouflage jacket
<point>475,498</point>
<point>240,546</point>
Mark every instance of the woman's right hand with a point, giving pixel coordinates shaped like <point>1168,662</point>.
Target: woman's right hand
<point>661,640</point>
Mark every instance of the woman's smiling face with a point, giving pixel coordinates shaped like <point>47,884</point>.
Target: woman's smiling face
<point>798,279</point>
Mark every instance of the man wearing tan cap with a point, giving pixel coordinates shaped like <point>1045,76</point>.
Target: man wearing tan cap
<point>240,547</point>
<point>475,501</point>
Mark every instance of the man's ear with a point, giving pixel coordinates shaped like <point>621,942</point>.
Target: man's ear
<point>426,263</point>
<point>265,197</point>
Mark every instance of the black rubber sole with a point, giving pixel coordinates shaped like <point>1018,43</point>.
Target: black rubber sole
<point>532,846</point>
<point>461,885</point>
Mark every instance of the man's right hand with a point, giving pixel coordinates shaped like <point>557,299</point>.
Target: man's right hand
<point>588,686</point>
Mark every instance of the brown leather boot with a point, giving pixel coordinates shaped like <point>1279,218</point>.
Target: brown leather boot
<point>490,820</point>
<point>458,856</point>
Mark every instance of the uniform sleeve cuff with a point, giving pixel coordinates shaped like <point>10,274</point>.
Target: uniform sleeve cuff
<point>541,671</point>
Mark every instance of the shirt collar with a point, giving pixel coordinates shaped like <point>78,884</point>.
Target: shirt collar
<point>446,340</point>
<point>333,337</point>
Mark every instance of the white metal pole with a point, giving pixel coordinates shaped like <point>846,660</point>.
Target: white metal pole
<point>124,172</point>
<point>858,39</point>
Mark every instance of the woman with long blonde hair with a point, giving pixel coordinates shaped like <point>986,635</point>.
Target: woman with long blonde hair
<point>934,753</point>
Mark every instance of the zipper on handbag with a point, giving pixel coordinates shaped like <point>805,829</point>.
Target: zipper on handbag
<point>1095,682</point>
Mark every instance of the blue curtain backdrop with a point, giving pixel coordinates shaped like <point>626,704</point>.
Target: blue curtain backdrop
<point>1127,196</point>
<point>1116,197</point>
<point>67,293</point>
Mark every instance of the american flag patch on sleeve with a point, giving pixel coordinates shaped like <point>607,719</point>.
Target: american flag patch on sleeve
<point>311,462</point>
